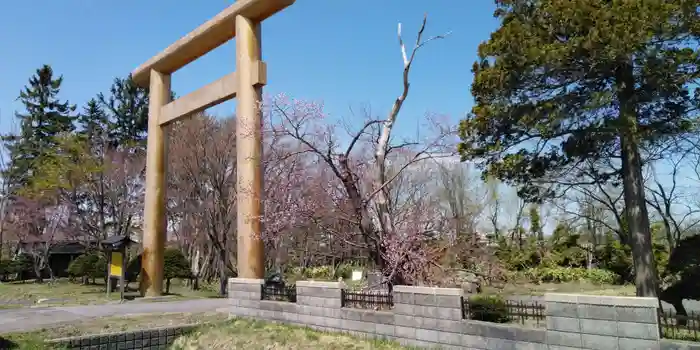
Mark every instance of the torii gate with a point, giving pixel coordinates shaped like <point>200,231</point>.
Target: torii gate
<point>241,20</point>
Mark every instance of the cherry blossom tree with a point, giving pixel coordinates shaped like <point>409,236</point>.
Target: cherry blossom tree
<point>37,224</point>
<point>362,169</point>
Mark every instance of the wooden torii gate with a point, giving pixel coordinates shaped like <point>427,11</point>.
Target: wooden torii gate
<point>241,20</point>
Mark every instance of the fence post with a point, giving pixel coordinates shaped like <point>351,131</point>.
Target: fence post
<point>245,295</point>
<point>420,311</point>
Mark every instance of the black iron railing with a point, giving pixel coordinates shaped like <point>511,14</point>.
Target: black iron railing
<point>277,292</point>
<point>371,299</point>
<point>503,311</point>
<point>680,327</point>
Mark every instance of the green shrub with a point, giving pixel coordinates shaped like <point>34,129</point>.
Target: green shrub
<point>601,276</point>
<point>323,272</point>
<point>345,271</point>
<point>91,265</point>
<point>488,308</point>
<point>570,274</point>
<point>175,265</point>
<point>22,265</point>
<point>5,269</point>
<point>319,272</point>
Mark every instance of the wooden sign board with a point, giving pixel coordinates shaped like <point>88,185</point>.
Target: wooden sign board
<point>115,264</point>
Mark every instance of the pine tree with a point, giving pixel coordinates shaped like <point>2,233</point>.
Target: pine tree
<point>45,117</point>
<point>535,223</point>
<point>93,123</point>
<point>127,106</point>
<point>566,83</point>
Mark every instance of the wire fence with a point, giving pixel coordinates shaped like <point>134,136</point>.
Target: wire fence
<point>680,327</point>
<point>276,292</point>
<point>371,299</point>
<point>503,311</point>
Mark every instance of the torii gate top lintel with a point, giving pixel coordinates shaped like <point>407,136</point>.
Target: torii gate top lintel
<point>208,36</point>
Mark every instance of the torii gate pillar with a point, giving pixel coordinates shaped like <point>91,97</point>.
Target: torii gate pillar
<point>242,19</point>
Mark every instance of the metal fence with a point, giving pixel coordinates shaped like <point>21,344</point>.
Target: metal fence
<point>680,327</point>
<point>278,292</point>
<point>371,299</point>
<point>503,311</point>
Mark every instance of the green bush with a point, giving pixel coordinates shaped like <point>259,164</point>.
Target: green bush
<point>323,272</point>
<point>175,265</point>
<point>5,269</point>
<point>570,274</point>
<point>488,308</point>
<point>22,265</point>
<point>91,265</point>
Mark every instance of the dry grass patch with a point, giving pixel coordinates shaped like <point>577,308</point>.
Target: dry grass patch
<point>253,335</point>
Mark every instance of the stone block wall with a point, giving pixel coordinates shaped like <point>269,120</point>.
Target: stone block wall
<point>421,316</point>
<point>432,318</point>
<point>602,322</point>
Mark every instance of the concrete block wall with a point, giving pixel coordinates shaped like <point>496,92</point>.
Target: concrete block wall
<point>151,339</point>
<point>422,316</point>
<point>601,322</point>
<point>432,318</point>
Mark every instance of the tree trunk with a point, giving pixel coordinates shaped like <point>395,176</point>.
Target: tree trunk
<point>680,311</point>
<point>37,271</point>
<point>195,283</point>
<point>633,186</point>
<point>222,272</point>
<point>167,286</point>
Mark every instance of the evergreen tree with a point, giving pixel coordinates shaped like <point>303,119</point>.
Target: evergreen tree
<point>44,118</point>
<point>127,107</point>
<point>535,223</point>
<point>93,123</point>
<point>563,83</point>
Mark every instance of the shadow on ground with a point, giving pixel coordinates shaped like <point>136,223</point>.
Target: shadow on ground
<point>8,344</point>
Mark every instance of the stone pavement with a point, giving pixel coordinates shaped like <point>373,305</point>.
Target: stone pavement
<point>28,319</point>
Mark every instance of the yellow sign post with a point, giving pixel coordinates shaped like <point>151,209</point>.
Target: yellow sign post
<point>115,248</point>
<point>115,264</point>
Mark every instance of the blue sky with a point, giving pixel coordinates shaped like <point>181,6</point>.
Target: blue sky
<point>344,53</point>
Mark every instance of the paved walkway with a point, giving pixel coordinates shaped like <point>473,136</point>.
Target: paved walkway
<point>27,319</point>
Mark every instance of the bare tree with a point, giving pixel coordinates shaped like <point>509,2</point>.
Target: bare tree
<point>494,206</point>
<point>462,195</point>
<point>366,186</point>
<point>673,203</point>
<point>202,183</point>
<point>37,224</point>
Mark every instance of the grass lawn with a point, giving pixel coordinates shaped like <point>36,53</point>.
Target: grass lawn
<point>234,334</point>
<point>34,340</point>
<point>254,335</point>
<point>571,287</point>
<point>63,292</point>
